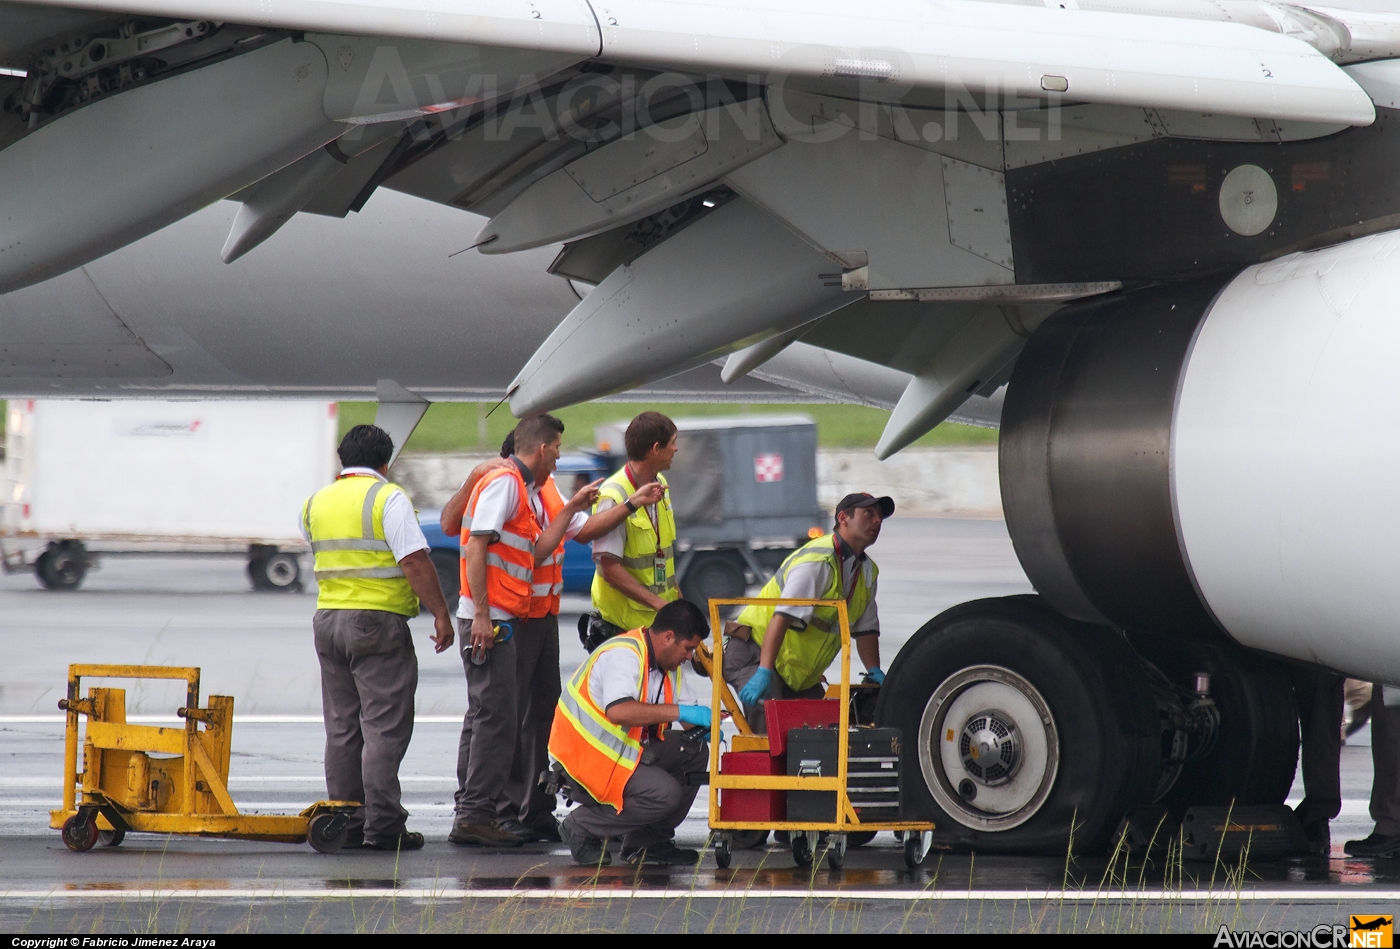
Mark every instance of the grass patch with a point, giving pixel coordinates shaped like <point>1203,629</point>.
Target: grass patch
<point>463,426</point>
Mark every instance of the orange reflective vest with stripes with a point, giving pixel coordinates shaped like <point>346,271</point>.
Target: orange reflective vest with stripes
<point>599,755</point>
<point>510,559</point>
<point>549,576</point>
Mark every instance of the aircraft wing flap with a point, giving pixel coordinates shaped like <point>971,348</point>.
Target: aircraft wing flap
<point>962,45</point>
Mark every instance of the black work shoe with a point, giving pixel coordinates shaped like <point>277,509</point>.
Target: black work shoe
<point>662,855</point>
<point>586,851</point>
<point>1319,838</point>
<point>1376,845</point>
<point>526,835</point>
<point>490,834</point>
<point>406,840</point>
<point>549,831</point>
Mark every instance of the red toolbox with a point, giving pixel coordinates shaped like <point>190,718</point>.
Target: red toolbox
<point>783,715</point>
<point>738,805</point>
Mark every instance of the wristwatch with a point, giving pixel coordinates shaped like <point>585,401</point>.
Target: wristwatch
<point>630,506</point>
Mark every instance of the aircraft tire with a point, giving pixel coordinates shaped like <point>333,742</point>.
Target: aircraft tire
<point>1064,708</point>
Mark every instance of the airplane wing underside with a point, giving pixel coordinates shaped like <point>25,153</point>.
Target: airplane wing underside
<point>771,199</point>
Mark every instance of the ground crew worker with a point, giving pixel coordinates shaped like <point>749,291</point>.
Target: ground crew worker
<point>372,567</point>
<point>524,808</point>
<point>781,653</point>
<point>623,764</point>
<point>1384,840</point>
<point>636,562</point>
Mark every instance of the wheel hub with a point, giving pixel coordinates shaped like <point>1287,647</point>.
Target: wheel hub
<point>990,747</point>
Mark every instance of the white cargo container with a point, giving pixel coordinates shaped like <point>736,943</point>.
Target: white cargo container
<point>126,477</point>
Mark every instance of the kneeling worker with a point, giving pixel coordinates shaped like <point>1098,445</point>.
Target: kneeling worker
<point>623,764</point>
<point>781,653</point>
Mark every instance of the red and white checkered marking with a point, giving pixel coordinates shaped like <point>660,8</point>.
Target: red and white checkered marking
<point>768,467</point>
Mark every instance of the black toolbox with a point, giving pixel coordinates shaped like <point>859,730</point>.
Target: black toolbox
<point>872,773</point>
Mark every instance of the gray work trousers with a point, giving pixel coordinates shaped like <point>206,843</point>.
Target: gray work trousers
<point>369,673</point>
<point>486,749</point>
<point>741,658</point>
<point>1385,759</point>
<point>535,695</point>
<point>1319,695</point>
<point>654,802</point>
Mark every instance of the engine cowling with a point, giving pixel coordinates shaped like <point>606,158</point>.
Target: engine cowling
<point>1221,456</point>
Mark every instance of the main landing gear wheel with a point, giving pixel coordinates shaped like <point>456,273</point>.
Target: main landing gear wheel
<point>1256,745</point>
<point>860,838</point>
<point>1028,729</point>
<point>80,832</point>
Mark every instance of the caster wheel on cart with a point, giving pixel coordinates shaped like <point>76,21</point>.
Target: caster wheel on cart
<point>111,838</point>
<point>748,839</point>
<point>916,847</point>
<point>801,849</point>
<point>860,838</point>
<point>326,832</point>
<point>722,852</point>
<point>80,832</point>
<point>836,852</point>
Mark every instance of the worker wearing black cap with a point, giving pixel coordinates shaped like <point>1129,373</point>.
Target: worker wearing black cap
<point>781,653</point>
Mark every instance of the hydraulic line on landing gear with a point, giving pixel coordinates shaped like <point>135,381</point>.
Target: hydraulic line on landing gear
<point>1190,723</point>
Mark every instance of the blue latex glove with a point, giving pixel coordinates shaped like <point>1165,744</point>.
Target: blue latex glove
<point>696,715</point>
<point>875,675</point>
<point>756,689</point>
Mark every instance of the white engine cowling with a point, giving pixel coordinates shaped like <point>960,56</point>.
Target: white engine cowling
<point>1221,454</point>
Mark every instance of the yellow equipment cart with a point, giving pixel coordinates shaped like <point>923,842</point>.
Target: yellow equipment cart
<point>917,835</point>
<point>149,779</point>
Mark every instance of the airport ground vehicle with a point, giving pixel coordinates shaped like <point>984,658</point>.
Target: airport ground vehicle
<point>745,495</point>
<point>84,480</point>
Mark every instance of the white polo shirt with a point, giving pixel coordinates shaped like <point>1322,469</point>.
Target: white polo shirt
<point>614,676</point>
<point>401,528</point>
<point>808,581</point>
<point>495,505</point>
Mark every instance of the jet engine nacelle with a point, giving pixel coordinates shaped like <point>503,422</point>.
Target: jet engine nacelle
<point>1222,454</point>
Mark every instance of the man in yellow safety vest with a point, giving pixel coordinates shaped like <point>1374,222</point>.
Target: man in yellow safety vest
<point>636,562</point>
<point>781,652</point>
<point>372,567</point>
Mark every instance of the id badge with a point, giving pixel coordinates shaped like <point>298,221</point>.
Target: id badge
<point>659,572</point>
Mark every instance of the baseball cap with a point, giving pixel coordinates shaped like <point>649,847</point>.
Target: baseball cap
<point>861,499</point>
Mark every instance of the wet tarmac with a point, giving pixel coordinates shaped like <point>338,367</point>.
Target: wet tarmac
<point>257,648</point>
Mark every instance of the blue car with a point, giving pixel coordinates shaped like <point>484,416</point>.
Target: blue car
<point>572,471</point>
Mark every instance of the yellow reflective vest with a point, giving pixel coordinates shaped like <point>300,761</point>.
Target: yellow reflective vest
<point>805,653</point>
<point>355,569</point>
<point>639,556</point>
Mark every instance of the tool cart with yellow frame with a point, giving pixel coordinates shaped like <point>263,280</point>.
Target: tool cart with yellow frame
<point>144,778</point>
<point>917,835</point>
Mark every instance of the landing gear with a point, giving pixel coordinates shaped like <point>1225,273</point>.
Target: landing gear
<point>273,569</point>
<point>62,565</point>
<point>1255,750</point>
<point>1029,729</point>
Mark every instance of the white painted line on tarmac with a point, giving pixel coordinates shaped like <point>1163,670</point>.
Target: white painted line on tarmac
<point>239,719</point>
<point>107,892</point>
